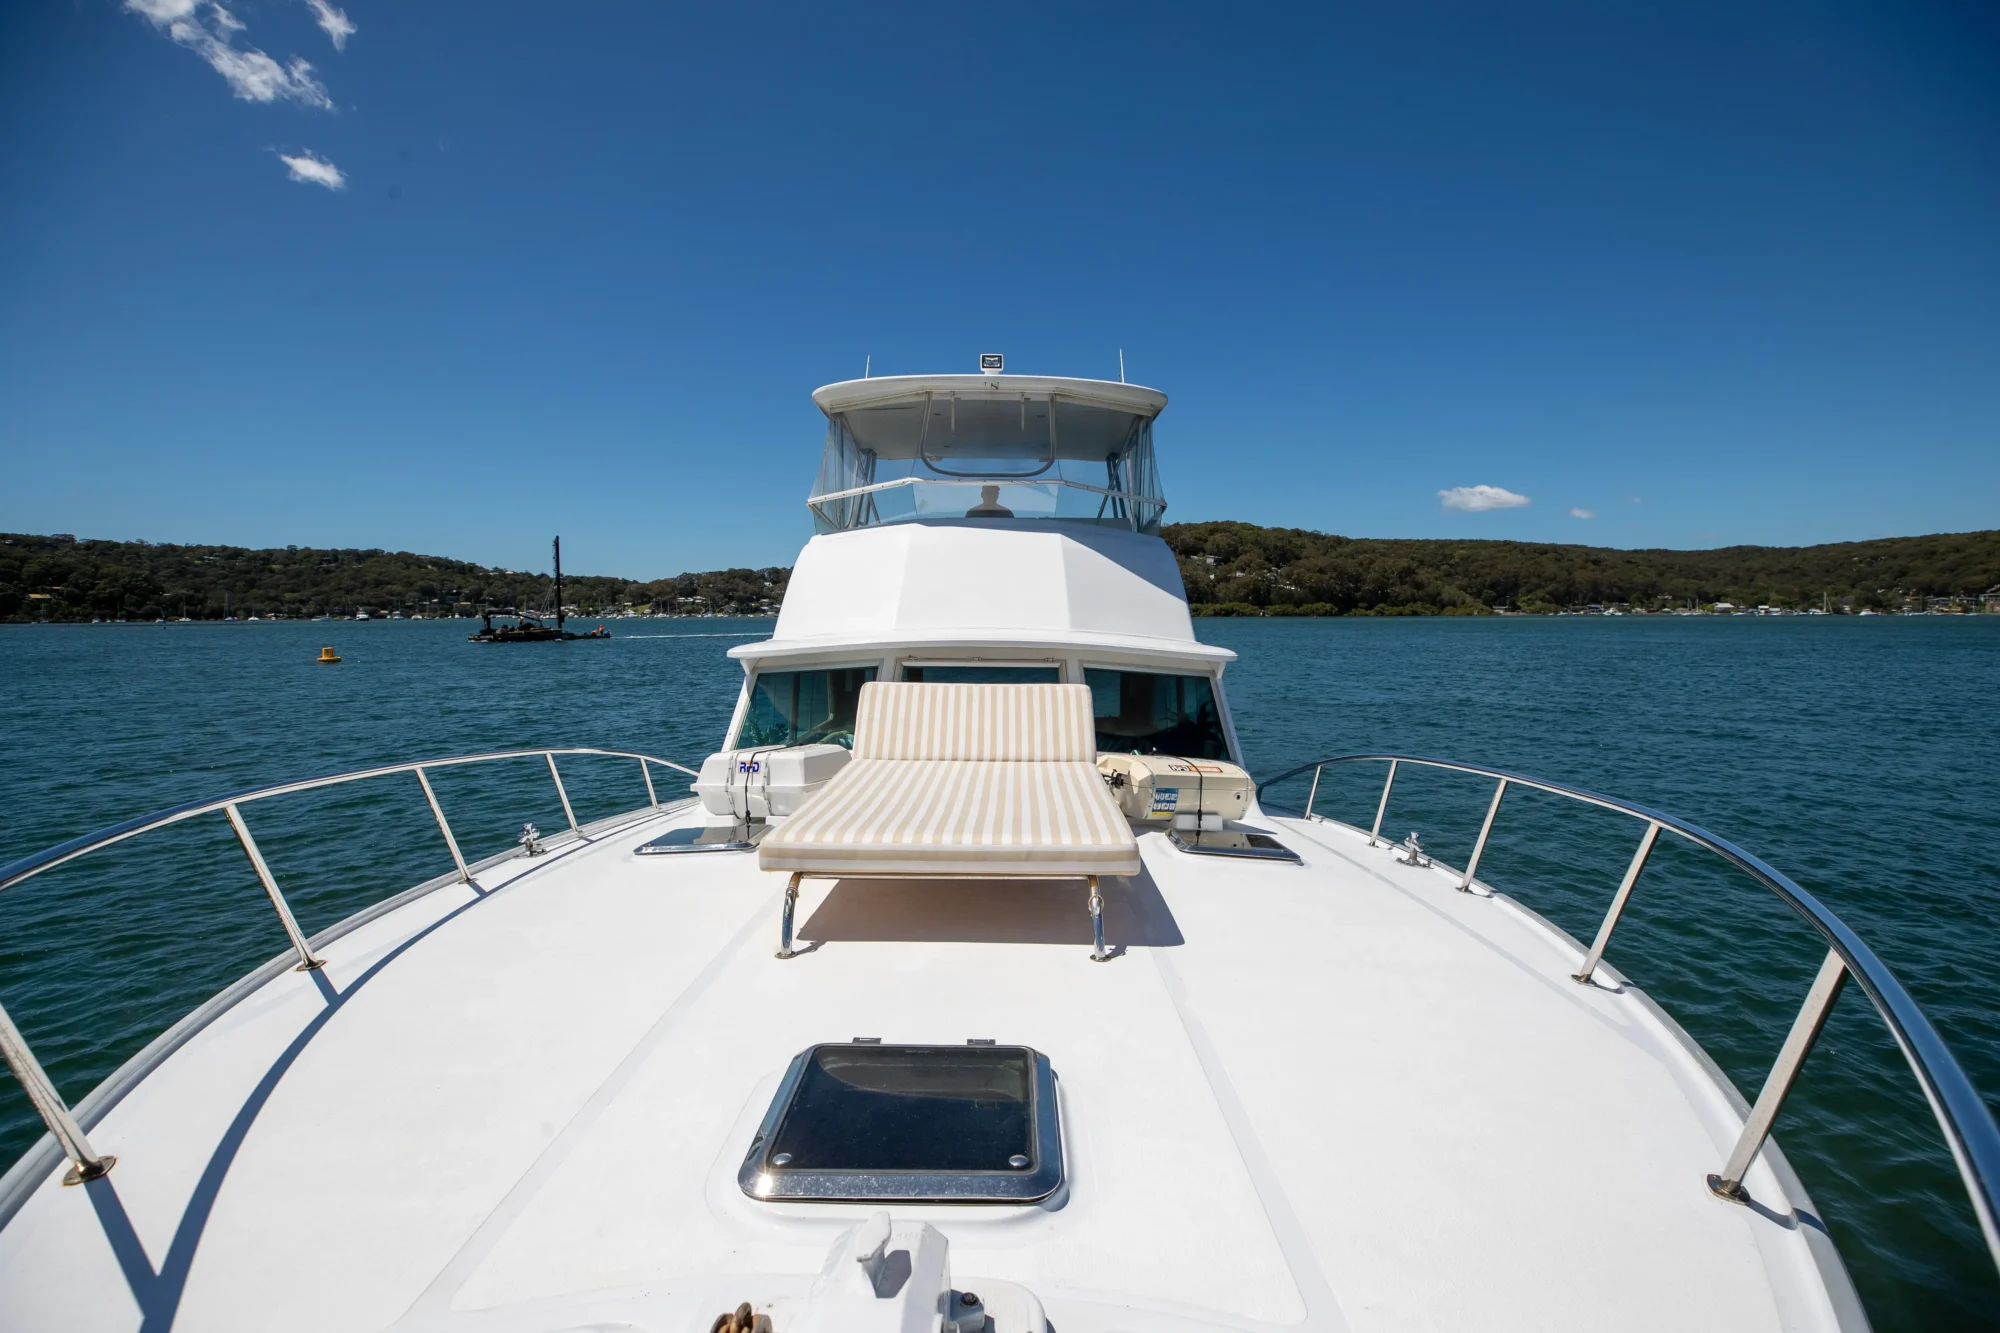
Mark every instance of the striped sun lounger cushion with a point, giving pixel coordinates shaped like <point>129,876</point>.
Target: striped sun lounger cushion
<point>1014,723</point>
<point>963,780</point>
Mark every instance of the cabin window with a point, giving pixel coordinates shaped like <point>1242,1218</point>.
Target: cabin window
<point>863,1120</point>
<point>983,673</point>
<point>1147,712</point>
<point>804,707</point>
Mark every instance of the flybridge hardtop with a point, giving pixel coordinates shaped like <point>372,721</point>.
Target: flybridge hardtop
<point>889,390</point>
<point>1069,1023</point>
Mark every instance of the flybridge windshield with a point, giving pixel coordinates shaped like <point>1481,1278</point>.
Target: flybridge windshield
<point>991,454</point>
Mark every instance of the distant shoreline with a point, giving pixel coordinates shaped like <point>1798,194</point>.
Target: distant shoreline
<point>1240,569</point>
<point>351,621</point>
<point>1706,613</point>
<point>331,625</point>
<point>1228,570</point>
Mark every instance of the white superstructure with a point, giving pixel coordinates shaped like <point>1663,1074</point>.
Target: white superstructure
<point>1349,1093</point>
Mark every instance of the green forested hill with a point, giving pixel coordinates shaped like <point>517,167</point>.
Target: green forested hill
<point>1229,568</point>
<point>1238,568</point>
<point>61,578</point>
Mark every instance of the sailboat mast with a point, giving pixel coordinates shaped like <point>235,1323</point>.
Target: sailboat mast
<point>559,610</point>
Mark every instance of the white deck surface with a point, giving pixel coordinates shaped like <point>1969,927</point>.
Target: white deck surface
<point>1337,1096</point>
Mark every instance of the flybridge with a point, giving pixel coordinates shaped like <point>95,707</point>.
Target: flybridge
<point>988,446</point>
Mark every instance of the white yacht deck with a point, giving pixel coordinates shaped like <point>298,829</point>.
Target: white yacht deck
<point>1342,1095</point>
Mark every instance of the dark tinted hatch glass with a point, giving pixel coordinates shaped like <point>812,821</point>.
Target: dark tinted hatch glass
<point>910,1108</point>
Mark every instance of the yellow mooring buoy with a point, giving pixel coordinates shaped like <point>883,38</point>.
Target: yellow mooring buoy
<point>327,656</point>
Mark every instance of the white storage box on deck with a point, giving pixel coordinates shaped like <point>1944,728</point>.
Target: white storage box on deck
<point>1196,792</point>
<point>765,782</point>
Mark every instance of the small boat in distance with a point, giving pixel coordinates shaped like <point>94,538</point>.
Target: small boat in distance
<point>531,628</point>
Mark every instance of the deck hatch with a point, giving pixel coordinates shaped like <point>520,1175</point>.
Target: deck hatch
<point>964,1124</point>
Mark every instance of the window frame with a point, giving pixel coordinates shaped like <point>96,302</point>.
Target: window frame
<point>734,741</point>
<point>1060,665</point>
<point>1214,679</point>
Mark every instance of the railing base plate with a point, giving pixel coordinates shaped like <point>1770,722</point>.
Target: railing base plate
<point>77,1175</point>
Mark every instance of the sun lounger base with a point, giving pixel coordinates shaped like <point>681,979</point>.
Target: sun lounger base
<point>1098,952</point>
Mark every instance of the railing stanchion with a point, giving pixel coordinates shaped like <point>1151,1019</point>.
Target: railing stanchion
<point>464,875</point>
<point>646,772</point>
<point>1479,848</point>
<point>1798,1045</point>
<point>1967,1123</point>
<point>567,812</point>
<point>85,1162</point>
<point>306,960</point>
<point>1314,792</point>
<point>1596,954</point>
<point>1375,834</point>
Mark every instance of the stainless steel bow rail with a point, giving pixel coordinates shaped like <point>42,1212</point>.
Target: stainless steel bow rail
<point>1968,1126</point>
<point>85,1162</point>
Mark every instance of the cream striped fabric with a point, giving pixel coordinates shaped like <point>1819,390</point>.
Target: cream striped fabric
<point>963,780</point>
<point>908,720</point>
<point>957,817</point>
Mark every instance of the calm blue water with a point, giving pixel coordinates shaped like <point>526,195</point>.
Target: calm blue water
<point>1862,756</point>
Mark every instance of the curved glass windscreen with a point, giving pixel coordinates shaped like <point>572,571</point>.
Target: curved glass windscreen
<point>804,707</point>
<point>1146,712</point>
<point>988,454</point>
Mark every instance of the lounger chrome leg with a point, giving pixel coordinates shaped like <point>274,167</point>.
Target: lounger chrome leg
<point>1097,954</point>
<point>785,930</point>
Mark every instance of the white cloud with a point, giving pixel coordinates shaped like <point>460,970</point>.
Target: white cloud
<point>314,170</point>
<point>1583,513</point>
<point>255,77</point>
<point>334,22</point>
<point>210,31</point>
<point>163,12</point>
<point>1478,499</point>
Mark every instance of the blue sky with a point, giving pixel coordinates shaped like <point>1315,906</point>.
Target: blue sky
<point>1713,274</point>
